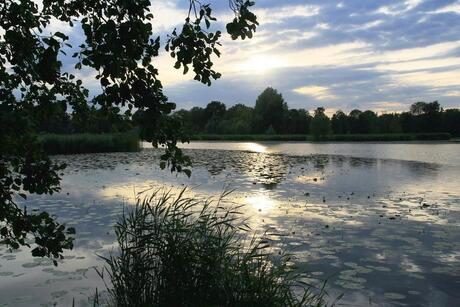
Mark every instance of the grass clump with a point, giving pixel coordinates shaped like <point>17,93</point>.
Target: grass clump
<point>179,251</point>
<point>89,143</point>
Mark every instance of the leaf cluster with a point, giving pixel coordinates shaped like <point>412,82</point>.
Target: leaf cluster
<point>245,22</point>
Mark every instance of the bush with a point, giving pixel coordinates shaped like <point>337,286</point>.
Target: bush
<point>88,143</point>
<point>178,251</point>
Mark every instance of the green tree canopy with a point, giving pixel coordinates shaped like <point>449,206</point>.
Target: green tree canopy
<point>418,108</point>
<point>238,119</point>
<point>297,121</point>
<point>215,109</point>
<point>198,118</point>
<point>239,111</point>
<point>339,122</point>
<point>353,121</point>
<point>270,110</point>
<point>367,122</point>
<point>320,124</point>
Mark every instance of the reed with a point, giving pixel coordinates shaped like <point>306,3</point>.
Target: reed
<point>180,251</point>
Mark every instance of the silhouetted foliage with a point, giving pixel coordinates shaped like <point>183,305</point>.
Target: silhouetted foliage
<point>320,124</point>
<point>451,121</point>
<point>215,109</point>
<point>339,122</point>
<point>198,118</point>
<point>270,110</point>
<point>297,121</point>
<point>389,123</point>
<point>353,121</point>
<point>120,46</point>
<point>215,112</point>
<point>238,119</point>
<point>368,122</point>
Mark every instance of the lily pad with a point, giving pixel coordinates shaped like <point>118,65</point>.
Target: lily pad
<point>394,296</point>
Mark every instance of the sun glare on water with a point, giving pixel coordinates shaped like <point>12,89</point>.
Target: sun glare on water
<point>254,147</point>
<point>261,202</point>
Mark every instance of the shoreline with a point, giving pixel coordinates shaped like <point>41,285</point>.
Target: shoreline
<point>344,138</point>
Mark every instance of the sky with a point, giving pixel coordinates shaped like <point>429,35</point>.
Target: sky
<point>381,55</point>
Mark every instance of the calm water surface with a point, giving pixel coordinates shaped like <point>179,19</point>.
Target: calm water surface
<point>379,221</point>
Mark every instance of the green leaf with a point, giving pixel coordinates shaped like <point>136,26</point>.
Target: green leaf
<point>61,35</point>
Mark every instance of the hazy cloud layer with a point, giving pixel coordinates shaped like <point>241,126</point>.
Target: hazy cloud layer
<point>380,54</point>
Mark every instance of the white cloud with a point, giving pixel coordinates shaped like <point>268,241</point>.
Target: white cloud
<point>429,79</point>
<point>406,66</point>
<point>323,26</point>
<point>453,8</point>
<point>412,54</point>
<point>166,15</point>
<point>412,4</point>
<point>383,106</point>
<point>400,8</point>
<point>317,92</point>
<point>452,94</point>
<point>279,14</point>
<point>369,25</point>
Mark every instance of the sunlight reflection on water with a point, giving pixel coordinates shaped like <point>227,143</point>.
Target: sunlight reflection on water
<point>261,202</point>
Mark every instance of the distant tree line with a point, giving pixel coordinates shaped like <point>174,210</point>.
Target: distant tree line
<point>270,115</point>
<point>421,118</point>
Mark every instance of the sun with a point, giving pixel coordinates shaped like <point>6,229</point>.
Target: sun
<point>261,63</point>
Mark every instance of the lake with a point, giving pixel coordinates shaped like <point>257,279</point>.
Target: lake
<point>379,221</point>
